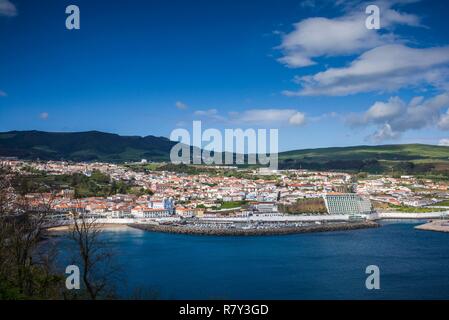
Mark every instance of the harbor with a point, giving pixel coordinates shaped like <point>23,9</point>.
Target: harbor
<point>315,265</point>
<point>268,224</point>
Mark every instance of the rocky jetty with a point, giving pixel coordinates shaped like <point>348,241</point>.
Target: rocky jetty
<point>323,227</point>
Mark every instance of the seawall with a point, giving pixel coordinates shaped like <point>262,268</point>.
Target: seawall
<point>257,232</point>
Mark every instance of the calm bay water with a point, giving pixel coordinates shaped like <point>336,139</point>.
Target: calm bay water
<point>413,264</point>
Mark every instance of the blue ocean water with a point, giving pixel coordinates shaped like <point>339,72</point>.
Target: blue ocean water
<point>413,264</point>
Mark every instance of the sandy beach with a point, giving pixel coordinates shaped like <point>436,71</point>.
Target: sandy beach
<point>105,226</point>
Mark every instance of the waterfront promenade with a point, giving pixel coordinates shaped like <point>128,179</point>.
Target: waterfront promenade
<point>264,225</point>
<point>272,218</point>
<point>407,215</point>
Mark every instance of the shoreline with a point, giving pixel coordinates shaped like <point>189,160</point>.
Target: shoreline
<point>101,226</point>
<point>257,232</point>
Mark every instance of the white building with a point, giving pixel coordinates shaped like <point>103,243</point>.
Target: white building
<point>265,207</point>
<point>347,203</point>
<point>166,204</point>
<point>144,212</point>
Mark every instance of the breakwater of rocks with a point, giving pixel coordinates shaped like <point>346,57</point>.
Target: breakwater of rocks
<point>323,227</point>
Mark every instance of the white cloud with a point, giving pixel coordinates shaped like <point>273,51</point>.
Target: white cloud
<point>425,114</point>
<point>385,68</point>
<point>43,116</point>
<point>7,8</point>
<point>384,64</point>
<point>256,116</point>
<point>395,116</point>
<point>314,37</point>
<point>260,116</point>
<point>391,17</point>
<point>181,124</point>
<point>379,112</point>
<point>3,93</point>
<point>297,119</point>
<point>384,133</point>
<point>180,105</point>
<point>444,142</point>
<point>443,123</point>
<point>211,114</point>
<point>208,112</point>
<point>344,35</point>
<point>382,111</point>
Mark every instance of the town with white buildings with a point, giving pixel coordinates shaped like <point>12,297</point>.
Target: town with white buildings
<point>260,193</point>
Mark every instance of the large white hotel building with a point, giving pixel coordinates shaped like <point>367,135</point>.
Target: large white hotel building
<point>347,203</point>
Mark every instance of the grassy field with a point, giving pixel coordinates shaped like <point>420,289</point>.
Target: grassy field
<point>145,166</point>
<point>232,204</point>
<point>443,203</point>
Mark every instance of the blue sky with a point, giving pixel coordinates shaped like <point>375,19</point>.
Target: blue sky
<point>309,68</point>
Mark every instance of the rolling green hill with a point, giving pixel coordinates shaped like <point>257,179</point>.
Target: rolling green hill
<point>384,152</point>
<point>401,158</point>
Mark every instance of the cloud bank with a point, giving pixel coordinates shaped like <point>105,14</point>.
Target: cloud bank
<point>379,60</point>
<point>385,68</point>
<point>394,117</point>
<point>345,35</point>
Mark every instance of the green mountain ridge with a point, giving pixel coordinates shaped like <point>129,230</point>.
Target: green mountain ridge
<point>109,147</point>
<point>83,146</point>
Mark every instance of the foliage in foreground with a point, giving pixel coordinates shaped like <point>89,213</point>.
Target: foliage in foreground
<point>28,261</point>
